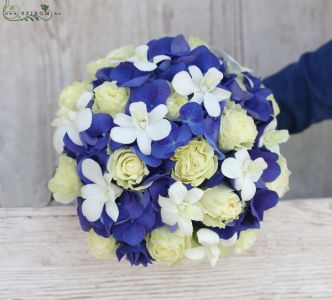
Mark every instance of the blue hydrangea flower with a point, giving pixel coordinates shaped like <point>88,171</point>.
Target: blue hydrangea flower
<point>192,114</point>
<point>179,136</point>
<point>136,255</point>
<point>136,218</point>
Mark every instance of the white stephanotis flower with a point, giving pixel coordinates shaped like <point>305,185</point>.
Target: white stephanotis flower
<point>141,62</point>
<point>271,137</point>
<point>99,193</point>
<point>72,122</point>
<point>141,126</point>
<point>180,208</point>
<point>203,87</point>
<point>209,246</point>
<point>244,171</point>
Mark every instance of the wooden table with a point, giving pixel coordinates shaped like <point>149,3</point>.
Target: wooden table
<point>43,255</point>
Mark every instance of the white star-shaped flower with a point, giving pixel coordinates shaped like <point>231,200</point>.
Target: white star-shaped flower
<point>244,171</point>
<point>72,122</point>
<point>99,193</point>
<point>271,137</point>
<point>203,87</point>
<point>141,126</point>
<point>209,246</point>
<point>141,62</point>
<point>179,208</point>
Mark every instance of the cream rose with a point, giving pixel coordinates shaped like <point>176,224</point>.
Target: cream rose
<point>127,168</point>
<point>237,129</point>
<point>70,95</point>
<point>281,184</point>
<point>174,102</point>
<point>194,42</point>
<point>110,99</point>
<point>120,54</point>
<point>166,247</point>
<point>194,162</point>
<point>246,240</point>
<point>220,206</point>
<point>65,184</point>
<point>93,66</point>
<point>100,247</point>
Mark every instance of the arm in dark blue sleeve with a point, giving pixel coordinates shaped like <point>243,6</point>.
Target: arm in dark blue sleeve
<point>303,90</point>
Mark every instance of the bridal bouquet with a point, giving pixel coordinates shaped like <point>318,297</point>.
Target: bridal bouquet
<point>172,152</point>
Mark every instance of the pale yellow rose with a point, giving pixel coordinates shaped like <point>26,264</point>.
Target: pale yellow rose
<point>119,55</point>
<point>110,99</point>
<point>220,206</point>
<point>166,247</point>
<point>93,66</point>
<point>65,184</point>
<point>101,248</point>
<point>127,169</point>
<point>70,95</point>
<point>281,184</point>
<point>195,41</point>
<point>246,240</point>
<point>194,162</point>
<point>174,102</point>
<point>237,129</point>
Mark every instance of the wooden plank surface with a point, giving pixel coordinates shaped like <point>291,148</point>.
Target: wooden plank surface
<point>38,59</point>
<point>43,255</point>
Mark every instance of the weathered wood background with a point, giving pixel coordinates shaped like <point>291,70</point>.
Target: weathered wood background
<point>43,255</point>
<point>38,59</point>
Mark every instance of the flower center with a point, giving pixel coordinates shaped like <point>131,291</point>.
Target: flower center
<point>204,88</point>
<point>143,124</point>
<point>182,207</point>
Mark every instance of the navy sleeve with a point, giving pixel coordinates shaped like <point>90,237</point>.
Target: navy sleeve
<point>303,90</point>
